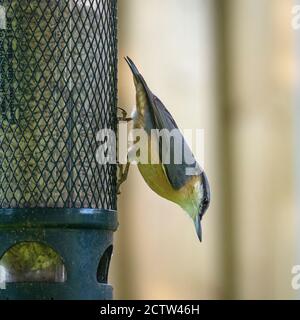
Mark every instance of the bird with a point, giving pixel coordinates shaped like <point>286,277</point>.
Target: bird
<point>183,182</point>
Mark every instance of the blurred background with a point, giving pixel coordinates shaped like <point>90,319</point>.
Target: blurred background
<point>227,67</point>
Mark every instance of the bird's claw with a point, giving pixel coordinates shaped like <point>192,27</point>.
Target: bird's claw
<point>123,116</point>
<point>122,172</point>
<point>122,175</point>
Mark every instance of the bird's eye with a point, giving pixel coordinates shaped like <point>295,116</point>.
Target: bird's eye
<point>204,206</point>
<point>205,203</point>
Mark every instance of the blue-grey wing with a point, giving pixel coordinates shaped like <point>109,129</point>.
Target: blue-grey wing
<point>175,154</point>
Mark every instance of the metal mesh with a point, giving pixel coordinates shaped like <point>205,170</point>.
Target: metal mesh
<point>57,90</point>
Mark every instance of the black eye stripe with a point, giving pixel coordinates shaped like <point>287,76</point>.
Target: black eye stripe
<point>206,194</point>
<point>205,203</point>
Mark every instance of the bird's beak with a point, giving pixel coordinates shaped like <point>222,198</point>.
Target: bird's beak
<point>198,227</point>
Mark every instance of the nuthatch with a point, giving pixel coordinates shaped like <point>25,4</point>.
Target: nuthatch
<point>184,183</point>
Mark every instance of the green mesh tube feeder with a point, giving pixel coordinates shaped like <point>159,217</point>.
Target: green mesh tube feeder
<point>58,88</point>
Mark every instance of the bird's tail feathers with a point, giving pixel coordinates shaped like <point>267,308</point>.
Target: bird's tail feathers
<point>133,67</point>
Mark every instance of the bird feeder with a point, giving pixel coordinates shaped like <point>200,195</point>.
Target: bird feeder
<point>58,88</point>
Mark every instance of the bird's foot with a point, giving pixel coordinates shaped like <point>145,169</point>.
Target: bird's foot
<point>123,115</point>
<point>122,175</point>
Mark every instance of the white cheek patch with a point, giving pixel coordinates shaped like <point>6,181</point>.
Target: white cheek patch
<point>199,187</point>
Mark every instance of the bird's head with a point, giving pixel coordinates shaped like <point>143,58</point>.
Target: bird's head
<point>204,204</point>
